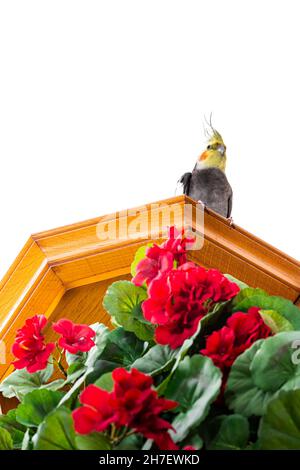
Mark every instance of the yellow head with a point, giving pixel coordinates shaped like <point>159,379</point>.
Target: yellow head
<point>215,153</point>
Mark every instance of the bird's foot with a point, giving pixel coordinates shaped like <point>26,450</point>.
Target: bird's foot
<point>230,221</point>
<point>202,204</point>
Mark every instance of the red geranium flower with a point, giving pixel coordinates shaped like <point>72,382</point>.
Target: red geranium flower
<point>220,348</point>
<point>248,328</point>
<point>97,413</point>
<point>131,389</point>
<point>139,406</point>
<point>74,337</point>
<point>179,298</point>
<point>177,244</point>
<point>29,347</point>
<point>132,403</point>
<point>160,258</point>
<point>242,330</point>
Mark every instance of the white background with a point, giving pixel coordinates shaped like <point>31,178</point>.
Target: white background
<point>102,104</point>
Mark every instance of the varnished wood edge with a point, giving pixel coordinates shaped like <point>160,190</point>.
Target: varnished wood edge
<point>286,268</point>
<point>172,201</point>
<point>275,257</point>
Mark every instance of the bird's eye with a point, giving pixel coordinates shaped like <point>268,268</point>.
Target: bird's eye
<point>209,147</point>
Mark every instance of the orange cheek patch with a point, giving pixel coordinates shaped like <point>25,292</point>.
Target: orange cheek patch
<point>203,156</point>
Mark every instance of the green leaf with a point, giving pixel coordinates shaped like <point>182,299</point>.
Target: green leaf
<point>284,307</point>
<point>21,382</point>
<point>56,432</point>
<point>241,393</point>
<point>133,442</point>
<point>105,382</point>
<point>261,372</point>
<point>157,360</point>
<point>280,426</point>
<point>123,302</point>
<point>246,293</point>
<point>232,433</point>
<point>275,321</point>
<point>139,255</point>
<point>195,385</point>
<point>15,429</point>
<point>76,370</point>
<point>209,321</point>
<point>36,406</point>
<point>122,350</point>
<point>93,441</point>
<point>148,444</point>
<point>241,284</point>
<point>6,442</point>
<point>74,359</point>
<point>75,388</point>
<point>272,367</point>
<point>123,347</point>
<point>193,439</point>
<point>26,443</point>
<point>180,354</point>
<point>102,334</point>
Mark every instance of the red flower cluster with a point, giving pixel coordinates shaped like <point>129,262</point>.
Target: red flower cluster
<point>33,353</point>
<point>29,347</point>
<point>132,403</point>
<point>241,331</point>
<point>74,337</point>
<point>177,244</point>
<point>178,299</point>
<point>98,412</point>
<point>161,258</point>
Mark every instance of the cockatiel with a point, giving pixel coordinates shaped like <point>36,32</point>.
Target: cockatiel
<point>208,183</point>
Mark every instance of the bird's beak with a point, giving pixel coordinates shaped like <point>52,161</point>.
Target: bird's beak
<point>203,156</point>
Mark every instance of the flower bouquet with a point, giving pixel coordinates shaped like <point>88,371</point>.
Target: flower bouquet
<point>196,359</point>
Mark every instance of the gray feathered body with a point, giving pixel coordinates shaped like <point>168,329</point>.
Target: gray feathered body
<point>210,186</point>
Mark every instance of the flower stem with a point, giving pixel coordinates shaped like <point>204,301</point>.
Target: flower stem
<point>58,362</point>
<point>123,433</point>
<point>113,433</point>
<point>116,438</point>
<point>61,368</point>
